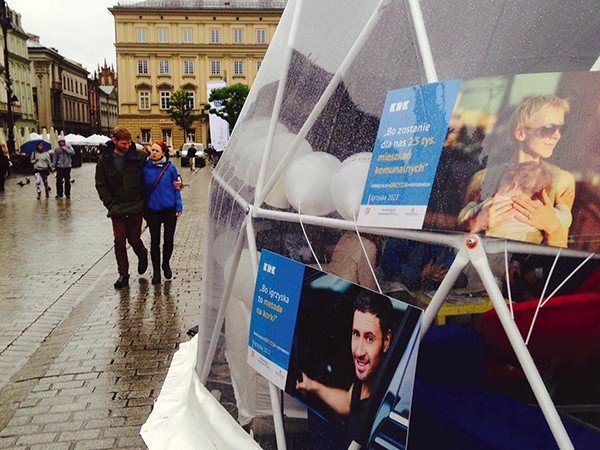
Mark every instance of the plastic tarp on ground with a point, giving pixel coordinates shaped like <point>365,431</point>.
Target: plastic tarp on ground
<point>317,102</point>
<point>201,422</point>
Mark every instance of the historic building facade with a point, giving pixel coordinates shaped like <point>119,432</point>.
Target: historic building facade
<point>163,47</point>
<point>22,106</point>
<point>60,88</point>
<point>104,104</point>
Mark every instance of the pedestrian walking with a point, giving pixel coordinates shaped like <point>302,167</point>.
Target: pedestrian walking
<point>121,189</point>
<point>210,153</point>
<point>4,165</point>
<point>164,206</point>
<point>191,154</point>
<point>42,166</point>
<point>62,161</point>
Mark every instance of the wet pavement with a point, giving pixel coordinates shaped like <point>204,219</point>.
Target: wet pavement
<point>80,362</point>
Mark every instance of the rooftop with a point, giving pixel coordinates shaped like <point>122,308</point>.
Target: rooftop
<point>200,4</point>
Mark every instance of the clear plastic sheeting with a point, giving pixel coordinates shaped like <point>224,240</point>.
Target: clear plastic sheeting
<point>320,91</point>
<point>475,39</point>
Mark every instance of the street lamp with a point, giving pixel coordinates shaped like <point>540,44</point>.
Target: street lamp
<point>6,24</point>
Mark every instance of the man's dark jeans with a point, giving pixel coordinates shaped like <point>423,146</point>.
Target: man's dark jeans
<point>63,174</point>
<point>127,229</point>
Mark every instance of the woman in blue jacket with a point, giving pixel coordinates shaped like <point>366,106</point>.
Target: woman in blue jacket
<point>164,206</point>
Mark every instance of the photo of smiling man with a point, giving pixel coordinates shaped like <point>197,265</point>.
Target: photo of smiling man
<point>371,338</point>
<point>352,361</point>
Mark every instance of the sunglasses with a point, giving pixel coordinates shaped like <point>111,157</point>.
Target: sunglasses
<point>547,131</point>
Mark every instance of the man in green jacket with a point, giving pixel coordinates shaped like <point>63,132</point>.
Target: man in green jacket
<point>121,188</point>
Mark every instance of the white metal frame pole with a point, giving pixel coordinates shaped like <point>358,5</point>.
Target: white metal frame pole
<point>273,390</point>
<point>480,263</point>
<point>450,240</point>
<point>285,67</point>
<point>459,263</point>
<point>277,416</point>
<point>202,315</point>
<point>423,40</point>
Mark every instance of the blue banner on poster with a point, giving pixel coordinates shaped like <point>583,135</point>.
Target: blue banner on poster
<point>407,150</point>
<point>274,310</point>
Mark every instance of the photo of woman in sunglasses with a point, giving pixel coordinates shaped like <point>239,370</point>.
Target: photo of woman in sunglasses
<point>526,199</point>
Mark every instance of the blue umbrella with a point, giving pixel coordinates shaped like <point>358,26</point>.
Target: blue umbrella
<point>31,146</point>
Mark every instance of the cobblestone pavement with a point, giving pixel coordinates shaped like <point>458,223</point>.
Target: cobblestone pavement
<point>81,363</point>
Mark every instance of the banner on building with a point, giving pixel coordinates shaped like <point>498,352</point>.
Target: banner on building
<point>219,128</point>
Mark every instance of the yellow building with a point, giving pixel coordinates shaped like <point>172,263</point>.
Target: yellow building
<point>165,46</point>
<point>22,104</point>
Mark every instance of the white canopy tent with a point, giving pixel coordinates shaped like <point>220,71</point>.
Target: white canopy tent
<point>74,139</point>
<point>321,88</point>
<point>96,139</point>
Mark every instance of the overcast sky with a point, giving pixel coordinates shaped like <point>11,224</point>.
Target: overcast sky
<point>81,30</point>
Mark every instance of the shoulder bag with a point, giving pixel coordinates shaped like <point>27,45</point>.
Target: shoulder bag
<point>162,172</point>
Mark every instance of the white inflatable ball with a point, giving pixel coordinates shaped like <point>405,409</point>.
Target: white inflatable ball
<point>348,184</point>
<point>307,183</point>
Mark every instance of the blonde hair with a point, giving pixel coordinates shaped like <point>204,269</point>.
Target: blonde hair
<point>530,106</point>
<point>531,177</point>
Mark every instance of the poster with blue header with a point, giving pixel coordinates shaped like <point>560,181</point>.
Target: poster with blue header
<point>406,154</point>
<point>274,310</point>
<point>317,337</point>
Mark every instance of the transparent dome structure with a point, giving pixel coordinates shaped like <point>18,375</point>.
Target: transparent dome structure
<point>317,103</point>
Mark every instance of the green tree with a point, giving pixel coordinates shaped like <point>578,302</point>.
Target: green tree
<point>181,110</point>
<point>228,102</point>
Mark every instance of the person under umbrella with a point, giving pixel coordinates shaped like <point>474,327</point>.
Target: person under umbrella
<point>30,147</point>
<point>42,166</point>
